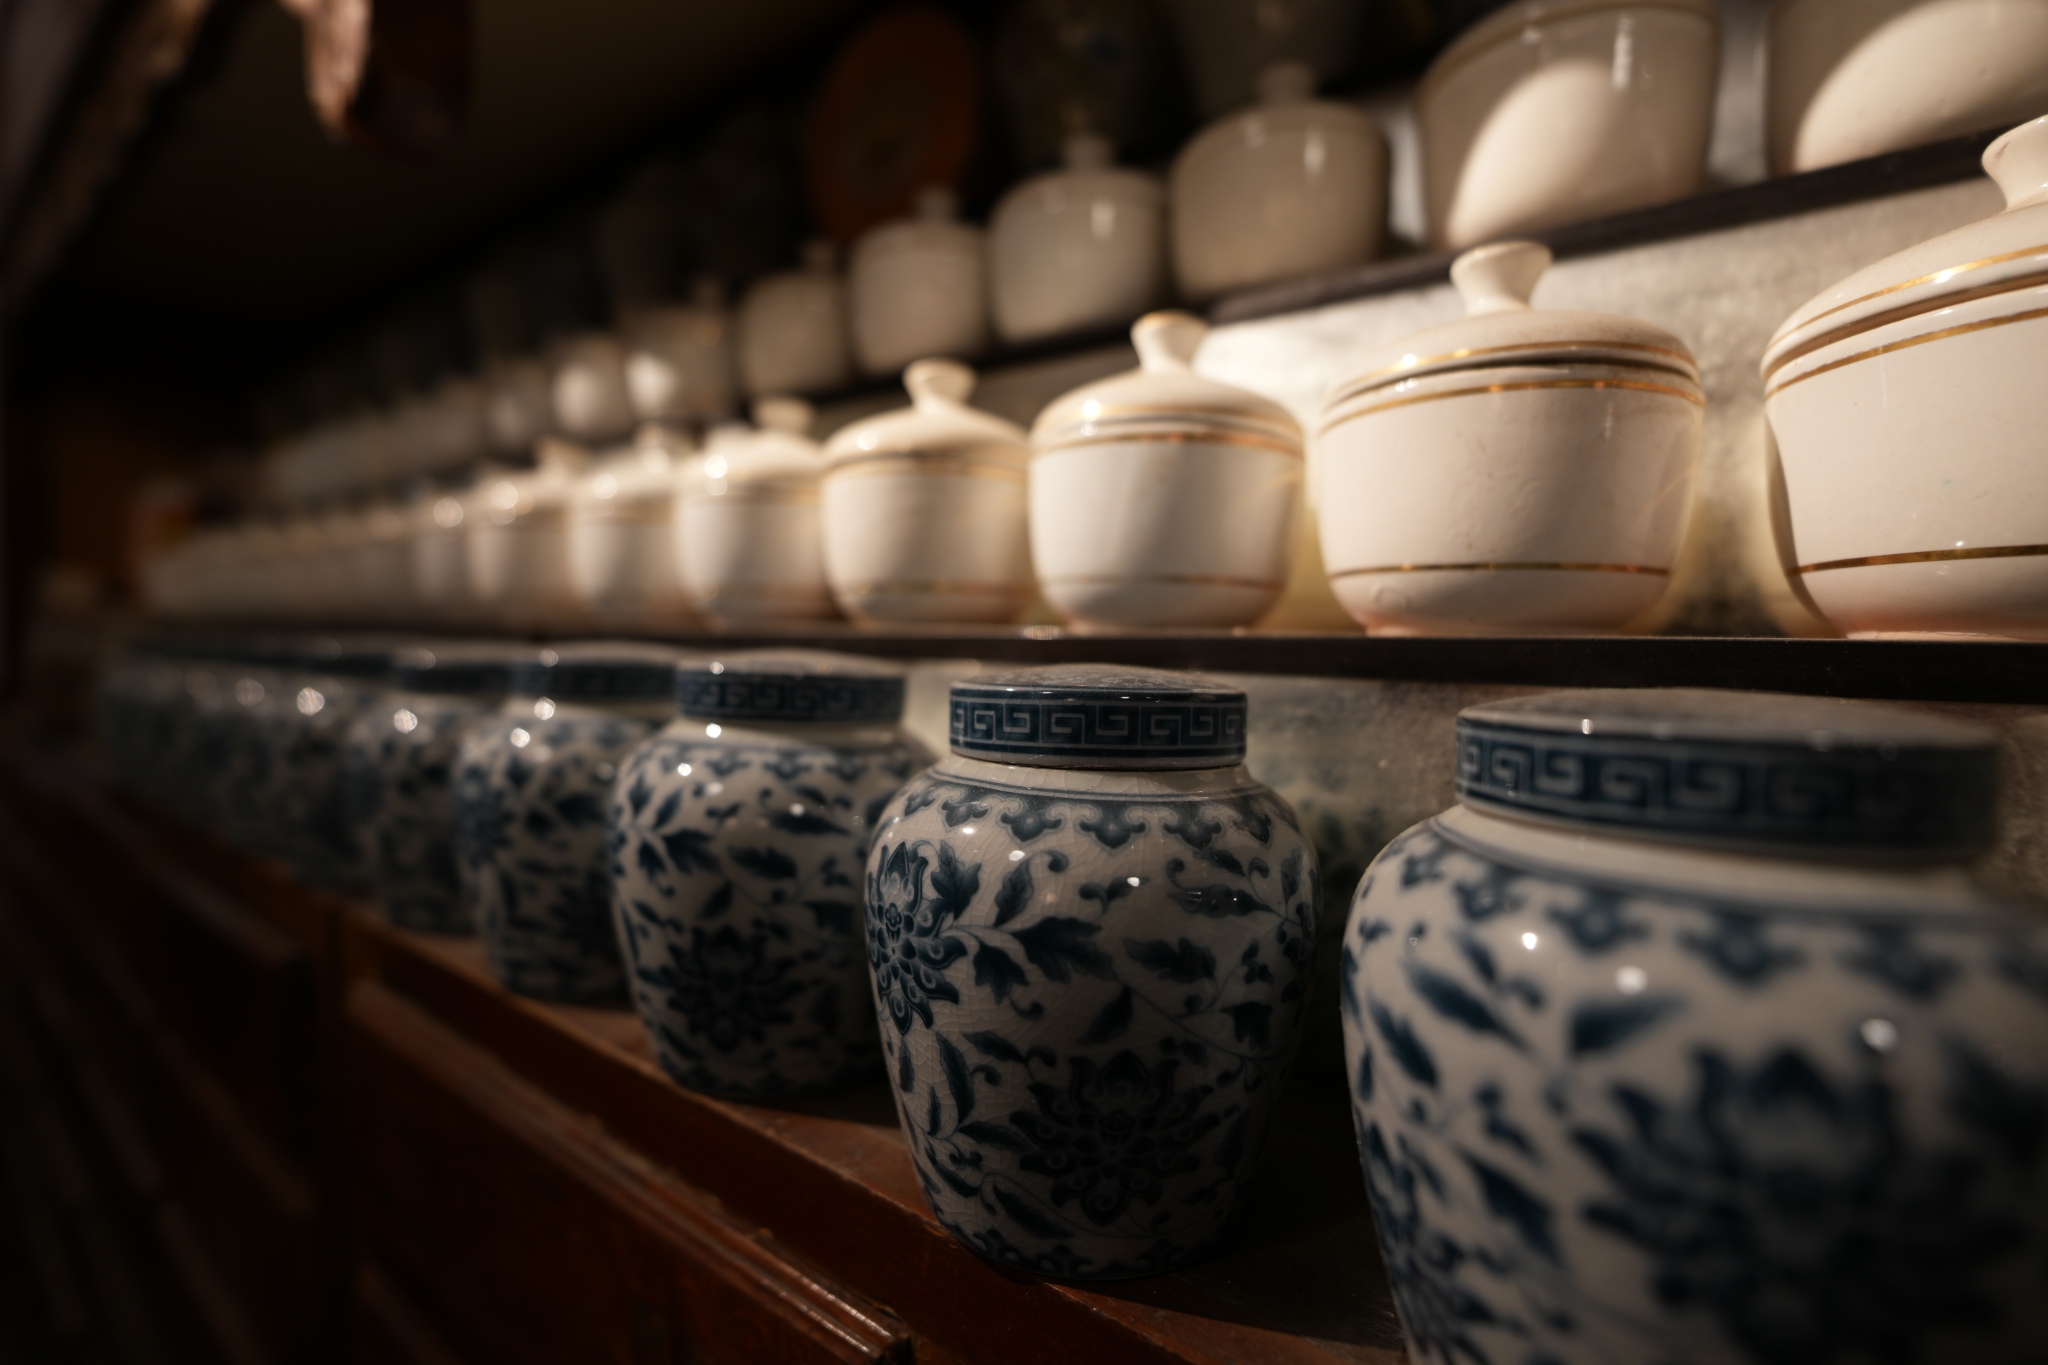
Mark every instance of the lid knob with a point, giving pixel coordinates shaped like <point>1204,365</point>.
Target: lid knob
<point>936,204</point>
<point>1287,83</point>
<point>780,413</point>
<point>934,383</point>
<point>1499,277</point>
<point>1087,152</point>
<point>1167,341</point>
<point>2018,161</point>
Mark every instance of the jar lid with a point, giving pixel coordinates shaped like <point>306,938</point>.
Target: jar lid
<point>1163,398</point>
<point>800,686</point>
<point>777,452</point>
<point>599,671</point>
<point>1513,22</point>
<point>938,424</point>
<point>458,668</point>
<point>2001,254</point>
<point>1500,328</point>
<point>1095,716</point>
<point>1746,770</point>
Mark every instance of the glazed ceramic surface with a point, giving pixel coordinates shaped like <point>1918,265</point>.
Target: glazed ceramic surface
<point>917,288</point>
<point>1292,186</point>
<point>793,334</point>
<point>518,405</point>
<point>1159,498</point>
<point>1082,247</point>
<point>531,786</point>
<point>1855,78</point>
<point>588,390</point>
<point>1091,933</point>
<point>1654,1060</point>
<point>925,508</point>
<point>1519,471</point>
<point>440,552</point>
<point>750,542</point>
<point>621,534</point>
<point>679,360</point>
<point>1558,111</point>
<point>739,835</point>
<point>398,773</point>
<point>1907,406</point>
<point>303,722</point>
<point>517,537</point>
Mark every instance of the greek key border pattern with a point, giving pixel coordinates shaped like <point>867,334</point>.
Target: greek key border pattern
<point>832,700</point>
<point>622,680</point>
<point>1000,725</point>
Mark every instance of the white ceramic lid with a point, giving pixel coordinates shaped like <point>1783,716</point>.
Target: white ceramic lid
<point>937,422</point>
<point>1500,328</point>
<point>778,452</point>
<point>1512,22</point>
<point>1163,395</point>
<point>2004,252</point>
<point>1286,97</point>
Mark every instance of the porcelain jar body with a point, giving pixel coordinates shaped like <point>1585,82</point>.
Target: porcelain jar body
<point>517,541</point>
<point>304,724</point>
<point>750,523</point>
<point>1849,79</point>
<point>738,857</point>
<point>679,362</point>
<point>1907,404</point>
<point>1551,112</point>
<point>793,331</point>
<point>530,797</point>
<point>1293,186</point>
<point>621,539</point>
<point>1077,249</point>
<point>1091,985</point>
<point>917,289</point>
<point>399,785</point>
<point>588,393</point>
<point>1620,1101</point>
<point>234,713</point>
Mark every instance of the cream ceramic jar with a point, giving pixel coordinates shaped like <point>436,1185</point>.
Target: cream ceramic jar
<point>621,533</point>
<point>1557,111</point>
<point>1908,403</point>
<point>518,405</point>
<point>1521,471</point>
<point>440,553</point>
<point>587,388</point>
<point>750,542</point>
<point>1160,498</point>
<point>918,288</point>
<point>1292,186</point>
<point>793,329</point>
<point>518,542</point>
<point>1854,78</point>
<point>1082,247</point>
<point>679,360</point>
<point>925,508</point>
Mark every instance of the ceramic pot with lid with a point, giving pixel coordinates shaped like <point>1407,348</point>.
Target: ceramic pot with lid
<point>1292,186</point>
<point>739,840</point>
<point>925,508</point>
<point>793,334</point>
<point>398,777</point>
<point>1907,403</point>
<point>531,787</point>
<point>1849,79</point>
<point>517,537</point>
<point>588,390</point>
<point>918,288</point>
<point>621,535</point>
<point>1687,1035</point>
<point>1091,932</point>
<point>1520,471</point>
<point>749,518</point>
<point>1160,498</point>
<point>1549,112</point>
<point>679,359</point>
<point>1078,248</point>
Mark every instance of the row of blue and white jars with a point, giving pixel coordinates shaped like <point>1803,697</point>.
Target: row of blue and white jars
<point>1686,1036</point>
<point>739,836</point>
<point>1091,932</point>
<point>531,788</point>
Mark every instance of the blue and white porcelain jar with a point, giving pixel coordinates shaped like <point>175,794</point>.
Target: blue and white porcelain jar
<point>303,712</point>
<point>1685,1037</point>
<point>739,839</point>
<point>399,776</point>
<point>1091,932</point>
<point>531,787</point>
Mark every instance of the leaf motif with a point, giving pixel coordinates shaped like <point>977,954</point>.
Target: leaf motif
<point>1185,962</point>
<point>954,883</point>
<point>1252,1021</point>
<point>1060,947</point>
<point>580,810</point>
<point>1455,1003</point>
<point>649,859</point>
<point>1601,1025</point>
<point>1223,858</point>
<point>717,903</point>
<point>931,1114</point>
<point>1406,1047</point>
<point>770,864</point>
<point>666,811</point>
<point>992,1044</point>
<point>997,970</point>
<point>999,1135</point>
<point>690,850</point>
<point>806,821</point>
<point>964,1188</point>
<point>1111,1021</point>
<point>1014,895</point>
<point>1507,1198</point>
<point>1027,1217</point>
<point>1109,893</point>
<point>1216,900</point>
<point>906,1074</point>
<point>957,1079</point>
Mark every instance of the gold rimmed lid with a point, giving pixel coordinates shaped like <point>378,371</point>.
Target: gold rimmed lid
<point>1501,329</point>
<point>2003,253</point>
<point>1164,399</point>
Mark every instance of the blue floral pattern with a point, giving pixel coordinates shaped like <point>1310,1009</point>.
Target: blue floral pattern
<point>1089,1000</point>
<point>399,778</point>
<point>1607,1121</point>
<point>530,797</point>
<point>736,872</point>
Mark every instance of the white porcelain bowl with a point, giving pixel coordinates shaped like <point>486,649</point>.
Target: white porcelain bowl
<point>1557,111</point>
<point>918,288</point>
<point>1082,247</point>
<point>1909,404</point>
<point>1292,186</point>
<point>751,541</point>
<point>1521,472</point>
<point>925,509</point>
<point>1159,498</point>
<point>1854,78</point>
